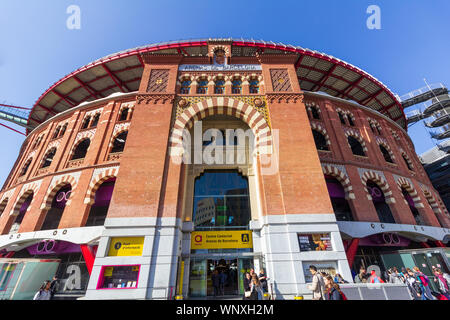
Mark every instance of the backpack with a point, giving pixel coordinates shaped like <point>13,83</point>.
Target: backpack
<point>343,296</point>
<point>424,279</point>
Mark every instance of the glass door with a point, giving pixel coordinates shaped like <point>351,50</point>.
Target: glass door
<point>244,265</point>
<point>197,278</point>
<point>423,263</point>
<point>222,277</point>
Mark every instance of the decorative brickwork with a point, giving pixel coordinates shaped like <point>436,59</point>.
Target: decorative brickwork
<point>56,184</point>
<point>227,106</point>
<point>158,80</point>
<point>405,183</point>
<point>381,182</point>
<point>99,176</point>
<point>334,171</point>
<point>280,80</point>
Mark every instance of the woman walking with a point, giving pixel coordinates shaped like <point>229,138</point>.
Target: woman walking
<point>442,283</point>
<point>44,292</point>
<point>332,290</point>
<point>413,285</point>
<point>256,289</point>
<point>424,284</point>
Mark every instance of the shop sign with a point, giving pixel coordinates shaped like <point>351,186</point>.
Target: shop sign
<point>315,242</point>
<point>221,240</point>
<point>220,67</point>
<point>126,246</point>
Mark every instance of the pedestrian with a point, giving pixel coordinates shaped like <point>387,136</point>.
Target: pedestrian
<point>247,280</point>
<point>53,286</point>
<point>222,281</point>
<point>332,290</point>
<point>362,276</point>
<point>256,292</point>
<point>413,285</point>
<point>394,276</point>
<point>44,292</point>
<point>424,284</point>
<point>442,283</point>
<point>339,279</point>
<point>215,281</point>
<point>374,278</point>
<point>263,279</point>
<point>318,284</point>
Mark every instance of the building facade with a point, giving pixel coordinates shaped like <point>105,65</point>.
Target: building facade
<point>145,171</point>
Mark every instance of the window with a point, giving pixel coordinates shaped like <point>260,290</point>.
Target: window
<point>386,154</point>
<point>99,209</point>
<point>412,207</point>
<point>321,142</point>
<point>85,123</point>
<point>350,121</point>
<point>23,209</point>
<point>202,87</point>
<point>63,130</point>
<point>379,202</point>
<point>405,158</point>
<point>336,192</point>
<point>95,120</point>
<point>315,113</point>
<point>48,158</point>
<point>372,127</point>
<point>3,206</point>
<point>119,142</point>
<point>219,87</point>
<point>54,215</point>
<point>236,86</point>
<point>25,167</point>
<point>123,114</point>
<point>221,200</point>
<point>56,134</point>
<point>185,87</point>
<point>355,145</point>
<point>119,277</point>
<point>81,149</point>
<point>342,118</point>
<point>254,86</point>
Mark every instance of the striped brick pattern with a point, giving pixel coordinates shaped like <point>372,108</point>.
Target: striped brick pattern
<point>318,127</point>
<point>341,177</point>
<point>7,195</point>
<point>27,189</point>
<point>405,156</point>
<point>431,199</point>
<point>97,179</point>
<point>54,188</point>
<point>383,142</point>
<point>381,182</point>
<point>225,106</point>
<point>357,135</point>
<point>406,184</point>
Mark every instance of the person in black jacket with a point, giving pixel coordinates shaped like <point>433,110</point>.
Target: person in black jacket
<point>247,280</point>
<point>215,278</point>
<point>53,287</point>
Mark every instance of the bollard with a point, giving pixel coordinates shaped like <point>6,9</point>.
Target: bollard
<point>178,297</point>
<point>298,297</point>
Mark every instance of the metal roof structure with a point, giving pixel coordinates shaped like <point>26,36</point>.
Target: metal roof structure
<point>122,71</point>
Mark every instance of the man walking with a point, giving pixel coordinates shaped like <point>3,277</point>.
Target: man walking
<point>317,285</point>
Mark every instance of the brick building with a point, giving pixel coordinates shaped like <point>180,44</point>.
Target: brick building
<point>106,181</point>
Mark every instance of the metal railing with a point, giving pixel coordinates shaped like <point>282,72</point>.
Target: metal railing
<point>420,91</point>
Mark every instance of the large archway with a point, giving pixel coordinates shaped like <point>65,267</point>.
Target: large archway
<point>222,106</point>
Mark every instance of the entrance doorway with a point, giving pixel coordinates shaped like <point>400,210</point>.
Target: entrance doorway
<point>230,270</point>
<point>222,277</point>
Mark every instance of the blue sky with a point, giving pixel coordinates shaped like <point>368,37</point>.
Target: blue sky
<point>37,49</point>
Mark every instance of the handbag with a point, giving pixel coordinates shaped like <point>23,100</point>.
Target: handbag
<point>247,294</point>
